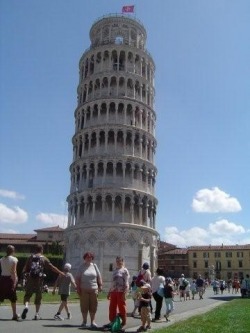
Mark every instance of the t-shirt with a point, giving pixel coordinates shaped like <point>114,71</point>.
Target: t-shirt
<point>64,283</point>
<point>88,273</point>
<point>7,264</point>
<point>120,279</point>
<point>156,282</point>
<point>168,290</point>
<point>199,282</point>
<point>144,303</point>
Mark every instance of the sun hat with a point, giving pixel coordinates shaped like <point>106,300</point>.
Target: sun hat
<point>146,286</point>
<point>67,266</point>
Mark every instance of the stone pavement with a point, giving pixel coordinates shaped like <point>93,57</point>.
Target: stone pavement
<point>183,310</point>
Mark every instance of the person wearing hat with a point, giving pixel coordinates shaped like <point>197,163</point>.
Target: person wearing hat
<point>182,287</point>
<point>64,283</point>
<point>145,299</point>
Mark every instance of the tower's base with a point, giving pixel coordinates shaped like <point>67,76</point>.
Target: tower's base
<point>136,244</point>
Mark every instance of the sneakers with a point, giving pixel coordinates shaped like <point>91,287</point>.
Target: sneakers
<point>16,317</point>
<point>84,325</point>
<point>69,316</point>
<point>24,313</point>
<point>93,326</point>
<point>156,320</point>
<point>148,327</point>
<point>37,317</point>
<point>58,317</point>
<point>141,329</point>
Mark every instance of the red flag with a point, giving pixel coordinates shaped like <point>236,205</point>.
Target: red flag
<point>128,9</point>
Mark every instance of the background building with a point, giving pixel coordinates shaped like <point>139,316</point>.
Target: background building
<point>222,262</point>
<point>24,243</point>
<point>112,204</point>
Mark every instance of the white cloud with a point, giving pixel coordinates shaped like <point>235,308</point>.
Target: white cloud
<point>53,219</point>
<point>214,201</point>
<point>13,215</point>
<point>219,232</point>
<point>11,194</point>
<point>224,227</point>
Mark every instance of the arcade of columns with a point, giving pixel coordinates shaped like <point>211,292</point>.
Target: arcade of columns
<point>112,204</point>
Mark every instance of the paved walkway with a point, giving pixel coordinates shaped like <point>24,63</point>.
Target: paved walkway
<point>183,310</point>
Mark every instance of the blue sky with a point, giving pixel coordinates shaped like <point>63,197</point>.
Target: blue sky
<point>201,50</point>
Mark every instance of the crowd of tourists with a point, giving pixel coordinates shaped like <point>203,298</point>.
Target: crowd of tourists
<point>88,283</point>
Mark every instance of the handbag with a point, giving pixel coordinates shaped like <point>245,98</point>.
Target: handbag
<point>98,279</point>
<point>160,290</point>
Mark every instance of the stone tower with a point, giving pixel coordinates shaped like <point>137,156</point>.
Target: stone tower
<point>112,204</point>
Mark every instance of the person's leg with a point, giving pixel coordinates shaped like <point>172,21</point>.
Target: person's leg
<point>143,316</point>
<point>158,300</point>
<point>13,300</point>
<point>13,307</point>
<point>93,307</point>
<point>112,305</point>
<point>28,294</point>
<point>121,303</point>
<point>148,318</point>
<point>65,305</point>
<point>84,304</point>
<point>38,300</point>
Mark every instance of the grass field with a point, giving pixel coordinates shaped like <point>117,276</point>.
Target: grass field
<point>233,317</point>
<point>49,298</point>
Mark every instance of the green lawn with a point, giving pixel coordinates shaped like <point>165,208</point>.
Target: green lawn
<point>49,298</point>
<point>232,317</point>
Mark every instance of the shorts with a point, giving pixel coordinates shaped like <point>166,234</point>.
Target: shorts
<point>33,286</point>
<point>7,289</point>
<point>88,301</point>
<point>64,297</point>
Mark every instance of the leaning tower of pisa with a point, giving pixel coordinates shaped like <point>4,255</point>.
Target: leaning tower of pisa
<point>112,203</point>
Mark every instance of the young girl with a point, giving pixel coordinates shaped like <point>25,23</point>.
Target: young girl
<point>169,295</point>
<point>193,288</point>
<point>145,299</point>
<point>134,291</point>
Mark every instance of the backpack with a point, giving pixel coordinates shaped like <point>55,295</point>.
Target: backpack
<point>116,324</point>
<point>36,267</point>
<point>139,279</point>
<point>185,283</point>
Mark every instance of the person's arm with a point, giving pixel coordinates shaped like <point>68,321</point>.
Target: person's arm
<point>72,280</point>
<point>55,269</point>
<point>27,265</point>
<point>78,282</point>
<point>99,278</point>
<point>14,273</point>
<point>126,280</point>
